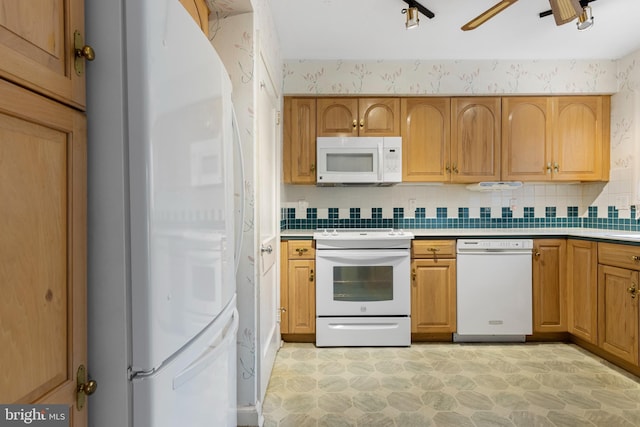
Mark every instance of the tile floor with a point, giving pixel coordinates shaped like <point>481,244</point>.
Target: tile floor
<point>456,385</point>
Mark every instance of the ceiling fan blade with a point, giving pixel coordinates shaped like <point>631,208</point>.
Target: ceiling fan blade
<point>583,3</point>
<point>487,14</point>
<point>565,10</point>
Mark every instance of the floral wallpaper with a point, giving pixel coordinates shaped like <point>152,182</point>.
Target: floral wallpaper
<point>239,30</point>
<point>449,78</point>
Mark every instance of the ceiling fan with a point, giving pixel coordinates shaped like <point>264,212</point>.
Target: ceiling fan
<point>562,10</point>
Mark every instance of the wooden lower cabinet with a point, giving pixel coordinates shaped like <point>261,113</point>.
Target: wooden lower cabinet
<point>618,267</point>
<point>433,296</point>
<point>549,285</point>
<point>582,290</point>
<point>433,287</point>
<point>618,312</point>
<point>297,287</point>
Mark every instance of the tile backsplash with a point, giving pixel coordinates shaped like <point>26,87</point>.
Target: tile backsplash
<point>329,218</point>
<point>451,206</point>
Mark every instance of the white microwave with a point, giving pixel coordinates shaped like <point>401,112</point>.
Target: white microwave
<point>359,160</point>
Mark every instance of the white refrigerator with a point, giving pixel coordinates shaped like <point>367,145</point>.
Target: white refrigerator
<point>163,320</point>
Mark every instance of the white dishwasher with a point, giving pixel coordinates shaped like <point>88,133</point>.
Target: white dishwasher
<point>494,301</point>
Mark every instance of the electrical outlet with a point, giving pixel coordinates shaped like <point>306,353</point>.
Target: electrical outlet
<point>412,208</point>
<point>622,202</point>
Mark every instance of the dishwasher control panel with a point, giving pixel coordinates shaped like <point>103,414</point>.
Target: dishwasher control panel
<point>494,245</point>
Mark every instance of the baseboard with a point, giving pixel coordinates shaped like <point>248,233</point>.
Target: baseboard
<point>250,416</point>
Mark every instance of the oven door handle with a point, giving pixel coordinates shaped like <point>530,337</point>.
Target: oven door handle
<point>361,255</point>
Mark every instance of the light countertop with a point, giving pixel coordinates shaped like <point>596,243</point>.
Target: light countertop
<point>454,233</point>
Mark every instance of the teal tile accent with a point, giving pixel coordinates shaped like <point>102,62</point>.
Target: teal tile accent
<point>612,222</point>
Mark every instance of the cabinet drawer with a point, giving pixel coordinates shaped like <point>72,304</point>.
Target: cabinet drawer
<point>433,249</point>
<point>619,255</point>
<point>301,249</point>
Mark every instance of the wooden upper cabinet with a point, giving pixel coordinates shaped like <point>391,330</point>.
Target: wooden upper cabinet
<point>526,138</point>
<point>379,116</point>
<point>425,131</point>
<point>299,150</point>
<point>581,138</point>
<point>37,47</point>
<point>563,138</point>
<point>475,139</point>
<point>200,12</point>
<point>358,116</point>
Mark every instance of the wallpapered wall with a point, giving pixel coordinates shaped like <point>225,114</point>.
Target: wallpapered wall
<point>239,29</point>
<point>448,78</point>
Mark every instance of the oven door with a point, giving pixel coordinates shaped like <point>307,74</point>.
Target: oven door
<point>363,282</point>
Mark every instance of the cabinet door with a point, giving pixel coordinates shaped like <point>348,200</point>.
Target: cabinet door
<point>526,138</point>
<point>580,138</point>
<point>426,124</point>
<point>475,139</point>
<point>299,150</point>
<point>549,286</point>
<point>43,225</point>
<point>36,47</point>
<point>284,289</point>
<point>433,296</point>
<point>337,116</point>
<point>302,297</point>
<point>582,290</point>
<point>379,117</point>
<point>199,12</point>
<point>618,312</point>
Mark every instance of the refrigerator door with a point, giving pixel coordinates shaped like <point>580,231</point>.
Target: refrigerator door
<point>180,175</point>
<point>198,387</point>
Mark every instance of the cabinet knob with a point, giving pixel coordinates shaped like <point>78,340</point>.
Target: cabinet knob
<point>632,290</point>
<point>556,167</point>
<point>84,387</point>
<point>361,123</point>
<point>413,274</point>
<point>301,251</point>
<point>447,168</point>
<point>81,51</point>
<point>454,167</point>
<point>311,276</point>
<point>355,123</point>
<point>549,168</point>
<point>635,258</point>
<point>537,253</point>
<point>313,167</point>
<point>86,52</point>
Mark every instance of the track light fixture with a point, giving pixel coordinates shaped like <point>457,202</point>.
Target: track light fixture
<point>412,17</point>
<point>413,10</point>
<point>585,20</point>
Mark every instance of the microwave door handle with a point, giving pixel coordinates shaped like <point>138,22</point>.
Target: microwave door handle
<point>380,152</point>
